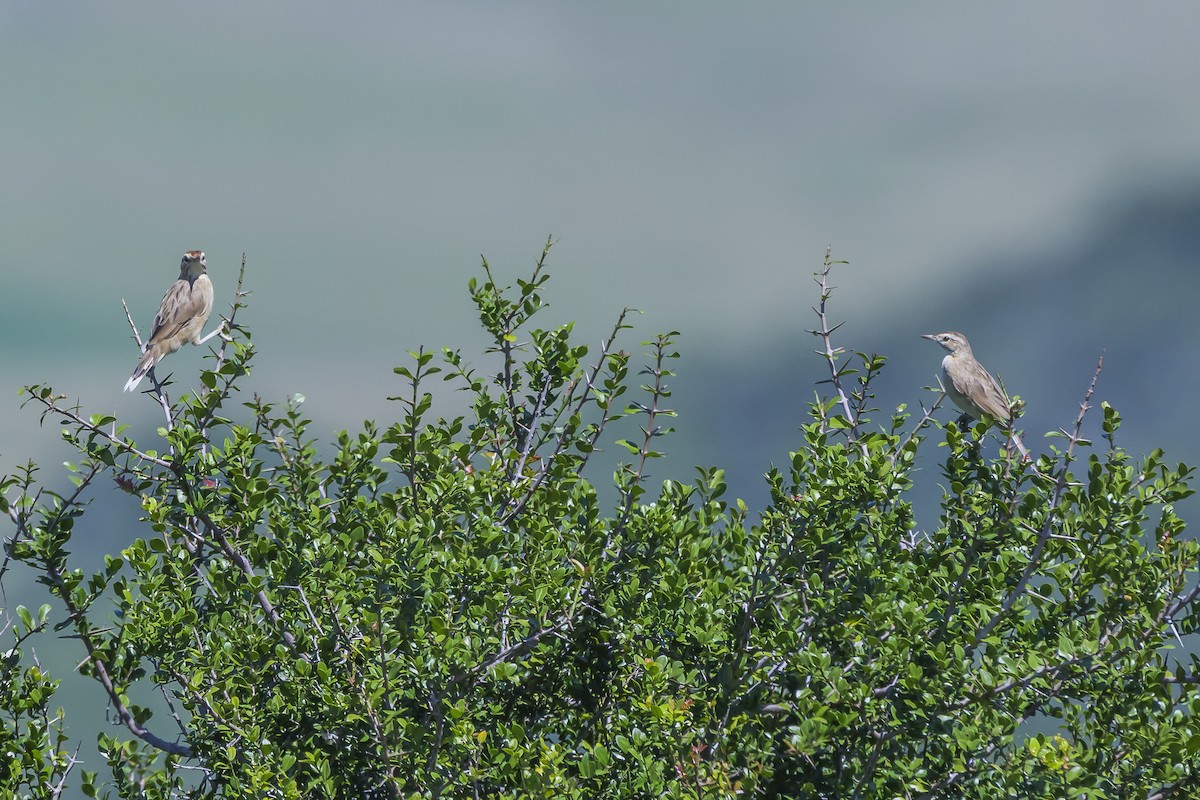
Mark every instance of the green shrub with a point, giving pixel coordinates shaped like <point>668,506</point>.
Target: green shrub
<point>448,607</point>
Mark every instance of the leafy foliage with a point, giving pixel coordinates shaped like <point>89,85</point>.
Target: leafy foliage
<point>446,607</point>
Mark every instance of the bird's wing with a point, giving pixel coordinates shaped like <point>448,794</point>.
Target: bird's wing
<point>183,302</point>
<point>986,393</point>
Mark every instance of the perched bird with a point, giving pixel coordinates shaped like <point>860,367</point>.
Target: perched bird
<point>971,387</point>
<point>181,317</point>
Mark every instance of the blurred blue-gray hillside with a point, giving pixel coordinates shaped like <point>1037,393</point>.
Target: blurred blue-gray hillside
<point>1124,287</point>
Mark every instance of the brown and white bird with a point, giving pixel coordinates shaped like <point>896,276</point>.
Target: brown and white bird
<point>181,317</point>
<point>971,387</point>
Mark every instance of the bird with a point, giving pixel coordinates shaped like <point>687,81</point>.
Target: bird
<point>971,387</point>
<point>181,316</point>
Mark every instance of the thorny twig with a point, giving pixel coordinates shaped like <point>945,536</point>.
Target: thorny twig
<point>828,351</point>
<point>1060,485</point>
<point>156,387</point>
<point>560,442</point>
<point>50,403</point>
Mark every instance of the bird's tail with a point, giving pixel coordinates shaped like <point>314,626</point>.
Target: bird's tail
<point>147,362</point>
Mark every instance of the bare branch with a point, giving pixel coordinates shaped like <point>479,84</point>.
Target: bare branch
<point>247,569</point>
<point>137,337</point>
<point>512,651</point>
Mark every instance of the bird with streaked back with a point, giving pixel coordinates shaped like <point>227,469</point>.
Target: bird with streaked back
<point>971,387</point>
<point>181,316</point>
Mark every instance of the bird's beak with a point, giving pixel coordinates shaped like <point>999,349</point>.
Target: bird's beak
<point>930,336</point>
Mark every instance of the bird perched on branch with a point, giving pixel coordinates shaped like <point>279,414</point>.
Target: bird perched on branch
<point>971,387</point>
<point>181,317</point>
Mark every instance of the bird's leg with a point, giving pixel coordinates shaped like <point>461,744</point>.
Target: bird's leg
<point>220,331</point>
<point>964,422</point>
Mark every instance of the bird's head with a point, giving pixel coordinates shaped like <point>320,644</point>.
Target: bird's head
<point>953,342</point>
<point>193,264</point>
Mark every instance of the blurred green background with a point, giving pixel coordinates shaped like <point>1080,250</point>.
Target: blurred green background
<point>1026,173</point>
<point>984,169</point>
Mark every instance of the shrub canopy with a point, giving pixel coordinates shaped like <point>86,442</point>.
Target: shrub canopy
<point>448,607</point>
